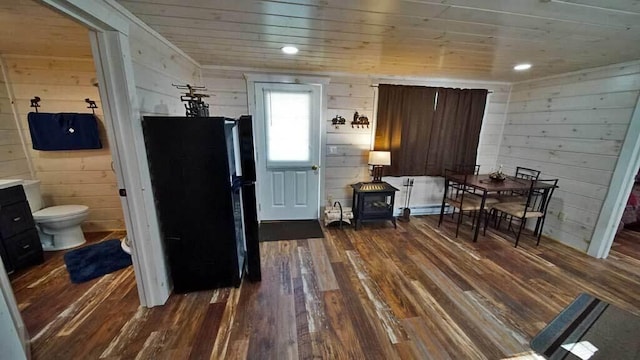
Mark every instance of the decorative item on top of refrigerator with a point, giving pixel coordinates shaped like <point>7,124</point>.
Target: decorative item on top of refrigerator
<point>194,105</point>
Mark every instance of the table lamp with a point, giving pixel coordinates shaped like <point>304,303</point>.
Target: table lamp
<point>379,159</point>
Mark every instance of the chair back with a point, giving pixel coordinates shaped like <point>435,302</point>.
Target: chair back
<point>456,188</point>
<point>539,195</point>
<point>553,183</point>
<point>526,173</point>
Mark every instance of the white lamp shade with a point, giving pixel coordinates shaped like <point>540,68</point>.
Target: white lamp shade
<point>379,158</point>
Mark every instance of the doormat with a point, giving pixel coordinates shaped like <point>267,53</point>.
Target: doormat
<point>290,230</point>
<point>92,261</point>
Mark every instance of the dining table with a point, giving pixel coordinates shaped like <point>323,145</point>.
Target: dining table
<point>485,184</point>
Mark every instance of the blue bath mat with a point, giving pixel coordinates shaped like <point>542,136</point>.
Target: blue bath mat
<point>95,260</point>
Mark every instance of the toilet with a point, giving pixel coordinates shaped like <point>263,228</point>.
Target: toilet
<point>58,226</point>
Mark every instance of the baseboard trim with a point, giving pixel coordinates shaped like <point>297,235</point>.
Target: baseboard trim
<point>432,209</point>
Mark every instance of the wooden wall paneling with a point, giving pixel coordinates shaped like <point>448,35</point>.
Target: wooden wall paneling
<point>151,102</point>
<point>619,83</point>
<point>603,132</point>
<point>75,77</point>
<point>156,68</point>
<point>347,148</point>
<point>565,157</point>
<point>68,177</point>
<point>91,201</point>
<point>21,64</point>
<point>599,101</point>
<point>154,80</point>
<point>69,163</point>
<point>50,93</point>
<point>70,190</point>
<point>582,116</point>
<point>588,146</point>
<point>229,92</point>
<point>7,121</point>
<point>13,160</point>
<point>572,127</point>
<point>149,51</point>
<point>9,137</point>
<point>582,75</point>
<point>14,169</point>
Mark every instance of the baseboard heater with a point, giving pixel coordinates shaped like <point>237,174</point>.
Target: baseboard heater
<point>433,209</point>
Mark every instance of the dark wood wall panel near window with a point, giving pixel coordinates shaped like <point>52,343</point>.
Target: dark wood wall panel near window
<point>427,129</point>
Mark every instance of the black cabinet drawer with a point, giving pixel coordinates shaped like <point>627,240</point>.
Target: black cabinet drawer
<point>24,249</point>
<point>15,218</point>
<point>12,195</point>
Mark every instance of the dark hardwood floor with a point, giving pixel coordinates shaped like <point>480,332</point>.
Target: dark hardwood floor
<point>378,293</point>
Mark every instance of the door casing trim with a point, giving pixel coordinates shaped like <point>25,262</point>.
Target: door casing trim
<point>252,79</point>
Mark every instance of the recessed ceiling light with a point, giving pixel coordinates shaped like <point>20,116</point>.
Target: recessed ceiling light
<point>522,67</point>
<point>290,50</point>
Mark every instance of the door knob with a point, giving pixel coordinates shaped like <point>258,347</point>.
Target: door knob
<point>315,167</point>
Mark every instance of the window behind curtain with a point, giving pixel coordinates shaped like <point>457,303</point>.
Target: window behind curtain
<point>405,114</point>
<point>424,140</point>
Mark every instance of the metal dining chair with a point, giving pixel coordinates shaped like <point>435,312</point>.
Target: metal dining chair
<point>538,198</point>
<point>458,196</point>
<point>527,173</point>
<point>522,173</point>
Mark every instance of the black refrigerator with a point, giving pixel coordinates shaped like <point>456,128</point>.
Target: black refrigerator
<point>203,178</point>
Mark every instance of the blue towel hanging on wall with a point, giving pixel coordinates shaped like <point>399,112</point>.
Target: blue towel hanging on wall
<point>64,131</point>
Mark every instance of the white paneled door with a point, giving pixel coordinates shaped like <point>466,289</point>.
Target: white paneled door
<point>288,150</point>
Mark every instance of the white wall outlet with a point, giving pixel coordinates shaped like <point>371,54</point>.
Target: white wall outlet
<point>333,149</point>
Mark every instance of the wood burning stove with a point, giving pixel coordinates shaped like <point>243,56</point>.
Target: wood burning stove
<point>373,201</point>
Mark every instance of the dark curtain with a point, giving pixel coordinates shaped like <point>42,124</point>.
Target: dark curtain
<point>403,127</point>
<point>455,130</point>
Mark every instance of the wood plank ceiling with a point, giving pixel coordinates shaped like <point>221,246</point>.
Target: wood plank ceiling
<point>470,39</point>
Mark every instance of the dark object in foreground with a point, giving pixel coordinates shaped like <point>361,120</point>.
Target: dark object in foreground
<point>590,326</point>
<point>203,178</point>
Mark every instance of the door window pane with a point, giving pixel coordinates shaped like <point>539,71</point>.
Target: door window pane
<point>288,116</point>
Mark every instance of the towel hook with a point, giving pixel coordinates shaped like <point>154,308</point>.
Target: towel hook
<point>35,103</point>
<point>92,105</point>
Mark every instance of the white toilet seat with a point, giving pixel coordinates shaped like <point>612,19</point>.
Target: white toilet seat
<point>59,213</point>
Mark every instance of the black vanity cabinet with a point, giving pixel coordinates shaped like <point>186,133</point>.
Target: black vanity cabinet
<point>19,242</point>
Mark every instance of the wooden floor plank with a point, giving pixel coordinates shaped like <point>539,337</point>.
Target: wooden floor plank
<point>373,338</point>
<point>322,266</point>
<point>377,293</point>
<point>206,337</point>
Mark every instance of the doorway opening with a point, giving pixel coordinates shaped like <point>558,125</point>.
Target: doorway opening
<point>59,68</point>
<point>289,139</point>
